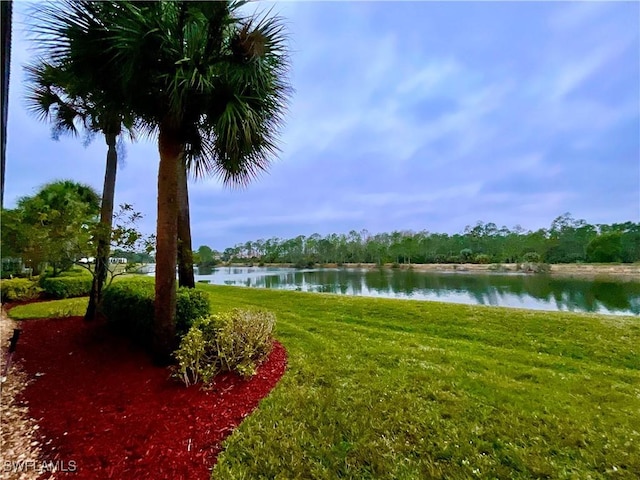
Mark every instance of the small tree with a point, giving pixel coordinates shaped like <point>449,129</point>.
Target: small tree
<point>124,237</point>
<point>46,227</point>
<point>466,255</point>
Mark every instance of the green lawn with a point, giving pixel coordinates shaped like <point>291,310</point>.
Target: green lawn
<point>54,308</point>
<point>401,389</point>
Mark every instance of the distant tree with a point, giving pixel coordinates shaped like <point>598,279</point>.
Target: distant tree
<point>206,254</point>
<point>605,248</point>
<point>47,227</point>
<point>205,258</point>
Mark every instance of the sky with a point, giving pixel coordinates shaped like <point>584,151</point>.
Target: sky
<point>406,116</point>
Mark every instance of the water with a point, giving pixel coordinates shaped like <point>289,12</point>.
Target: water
<point>538,292</point>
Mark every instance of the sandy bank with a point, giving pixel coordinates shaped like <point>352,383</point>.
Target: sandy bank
<point>624,271</point>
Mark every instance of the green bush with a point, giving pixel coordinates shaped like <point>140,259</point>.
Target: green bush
<point>466,255</point>
<point>605,248</point>
<point>76,272</point>
<point>531,257</point>
<point>191,304</point>
<point>19,289</point>
<point>236,341</point>
<point>66,286</point>
<point>128,306</point>
<point>482,258</point>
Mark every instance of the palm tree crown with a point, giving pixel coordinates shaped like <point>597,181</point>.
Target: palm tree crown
<point>216,78</point>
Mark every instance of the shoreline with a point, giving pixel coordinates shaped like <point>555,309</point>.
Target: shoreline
<point>584,270</point>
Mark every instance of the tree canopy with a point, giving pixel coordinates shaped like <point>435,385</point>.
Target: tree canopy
<point>50,226</point>
<point>566,241</point>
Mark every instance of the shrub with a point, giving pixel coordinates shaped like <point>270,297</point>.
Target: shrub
<point>75,272</point>
<point>236,341</point>
<point>19,289</point>
<point>606,247</point>
<point>128,306</point>
<point>196,358</point>
<point>531,257</point>
<point>483,258</point>
<point>191,304</point>
<point>244,340</point>
<point>466,254</point>
<point>304,263</point>
<point>66,286</point>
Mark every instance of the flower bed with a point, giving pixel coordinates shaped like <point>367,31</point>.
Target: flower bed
<point>106,408</point>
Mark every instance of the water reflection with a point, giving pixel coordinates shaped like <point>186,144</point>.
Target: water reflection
<point>538,292</point>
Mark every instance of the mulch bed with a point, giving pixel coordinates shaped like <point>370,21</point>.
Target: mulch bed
<point>107,412</point>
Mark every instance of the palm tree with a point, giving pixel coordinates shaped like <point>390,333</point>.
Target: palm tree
<point>6,8</point>
<point>61,94</point>
<point>209,82</point>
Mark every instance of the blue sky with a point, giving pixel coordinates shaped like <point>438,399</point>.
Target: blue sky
<point>407,116</point>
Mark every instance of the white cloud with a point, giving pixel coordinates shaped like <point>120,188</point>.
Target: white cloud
<point>322,214</point>
<point>430,78</point>
<point>403,199</point>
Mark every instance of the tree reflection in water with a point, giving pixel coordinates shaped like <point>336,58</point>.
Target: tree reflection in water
<point>542,292</point>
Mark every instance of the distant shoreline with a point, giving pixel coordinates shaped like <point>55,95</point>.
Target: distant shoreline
<point>629,271</point>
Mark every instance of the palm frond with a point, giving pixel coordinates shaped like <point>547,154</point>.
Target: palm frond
<point>217,76</point>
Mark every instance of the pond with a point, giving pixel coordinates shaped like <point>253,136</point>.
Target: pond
<point>532,291</point>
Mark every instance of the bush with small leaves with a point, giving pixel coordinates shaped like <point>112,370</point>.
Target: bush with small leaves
<point>235,341</point>
<point>531,257</point>
<point>194,365</point>
<point>482,258</point>
<point>19,289</point>
<point>191,304</point>
<point>466,255</point>
<point>66,286</point>
<point>244,339</point>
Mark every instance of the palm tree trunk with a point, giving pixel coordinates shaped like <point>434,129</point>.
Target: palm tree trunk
<point>164,327</point>
<point>5,58</point>
<point>106,222</point>
<point>185,254</point>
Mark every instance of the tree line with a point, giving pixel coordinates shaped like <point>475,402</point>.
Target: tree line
<point>567,240</point>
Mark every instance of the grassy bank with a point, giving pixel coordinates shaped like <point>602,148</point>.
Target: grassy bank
<point>381,388</point>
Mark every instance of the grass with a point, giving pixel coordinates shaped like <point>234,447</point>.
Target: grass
<point>54,308</point>
<point>399,389</point>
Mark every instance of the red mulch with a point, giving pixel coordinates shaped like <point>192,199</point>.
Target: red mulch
<point>104,405</point>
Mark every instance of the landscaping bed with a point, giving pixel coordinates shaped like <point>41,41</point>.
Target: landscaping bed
<point>108,412</point>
